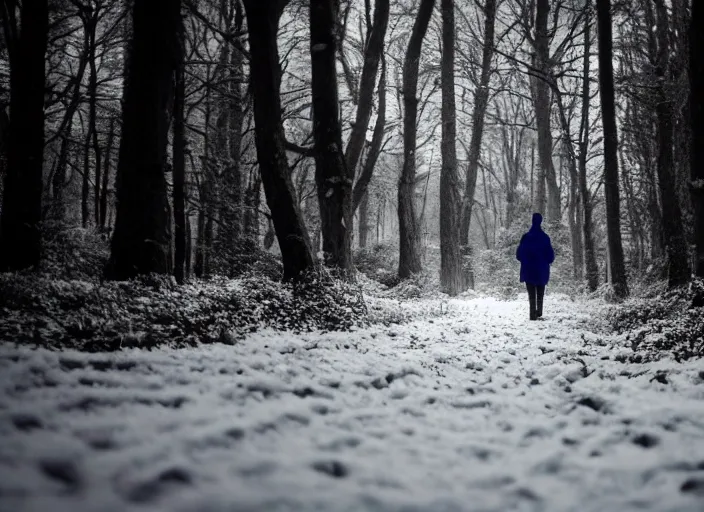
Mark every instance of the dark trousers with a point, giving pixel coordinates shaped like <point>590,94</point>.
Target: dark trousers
<point>536,293</point>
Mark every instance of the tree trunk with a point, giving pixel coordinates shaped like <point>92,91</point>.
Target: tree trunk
<point>179,163</point>
<point>591,267</point>
<point>85,186</point>
<point>542,115</point>
<point>372,55</point>
<point>696,78</point>
<point>450,260</point>
<point>106,177</point>
<point>230,231</point>
<point>263,21</point>
<point>481,100</point>
<point>20,235</point>
<point>409,231</point>
<point>679,272</point>
<point>142,239</point>
<point>363,220</point>
<point>333,178</point>
<point>611,189</point>
<point>365,177</point>
<point>93,115</point>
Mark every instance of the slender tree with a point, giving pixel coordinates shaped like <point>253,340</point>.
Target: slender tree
<point>263,22</point>
<point>450,259</point>
<point>20,236</point>
<point>179,162</point>
<point>409,231</point>
<point>481,100</point>
<point>696,80</point>
<point>611,181</point>
<point>142,240</point>
<point>592,270</point>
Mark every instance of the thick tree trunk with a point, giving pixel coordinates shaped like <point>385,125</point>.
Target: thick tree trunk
<point>372,55</point>
<point>679,272</point>
<point>409,231</point>
<point>541,101</point>
<point>20,235</point>
<point>333,178</point>
<point>179,164</point>
<point>696,78</point>
<point>590,265</point>
<point>142,239</point>
<point>262,21</point>
<point>611,188</point>
<point>230,231</point>
<point>481,100</point>
<point>450,259</point>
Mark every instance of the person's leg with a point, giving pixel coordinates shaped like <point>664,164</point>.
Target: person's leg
<point>540,292</point>
<point>531,300</point>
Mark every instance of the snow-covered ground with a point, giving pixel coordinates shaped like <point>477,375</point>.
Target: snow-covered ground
<point>479,410</point>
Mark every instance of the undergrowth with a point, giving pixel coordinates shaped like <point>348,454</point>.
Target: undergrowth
<point>671,322</point>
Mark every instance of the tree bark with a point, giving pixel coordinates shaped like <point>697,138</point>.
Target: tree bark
<point>409,231</point>
<point>106,177</point>
<point>142,239</point>
<point>363,220</point>
<point>481,100</point>
<point>20,235</point>
<point>450,259</point>
<point>372,55</point>
<point>611,181</point>
<point>333,178</point>
<point>542,116</point>
<point>179,163</point>
<point>696,77</point>
<point>590,265</point>
<point>262,22</point>
<point>365,177</point>
<point>679,272</point>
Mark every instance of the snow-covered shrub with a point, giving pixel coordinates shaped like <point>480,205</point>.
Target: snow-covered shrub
<point>378,262</point>
<point>672,322</point>
<point>73,252</point>
<point>152,311</point>
<point>249,257</point>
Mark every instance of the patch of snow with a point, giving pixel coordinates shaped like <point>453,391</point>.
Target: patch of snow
<point>478,409</point>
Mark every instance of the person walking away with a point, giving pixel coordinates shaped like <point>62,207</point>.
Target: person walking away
<point>536,254</point>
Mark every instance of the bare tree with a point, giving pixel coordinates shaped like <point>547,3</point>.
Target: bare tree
<point>409,235</point>
<point>611,181</point>
<point>450,259</point>
<point>263,21</point>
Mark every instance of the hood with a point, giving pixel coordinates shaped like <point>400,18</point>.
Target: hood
<point>537,220</point>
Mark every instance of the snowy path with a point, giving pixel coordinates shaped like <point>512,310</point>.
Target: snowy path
<point>479,410</point>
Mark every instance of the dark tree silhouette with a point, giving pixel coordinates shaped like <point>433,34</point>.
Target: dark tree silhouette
<point>179,163</point>
<point>263,21</point>
<point>142,240</point>
<point>608,110</point>
<point>333,177</point>
<point>696,80</point>
<point>20,235</point>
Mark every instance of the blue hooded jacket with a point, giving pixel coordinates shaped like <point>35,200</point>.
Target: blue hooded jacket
<point>535,254</point>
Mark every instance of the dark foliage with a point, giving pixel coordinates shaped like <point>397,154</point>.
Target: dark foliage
<point>378,262</point>
<point>672,322</point>
<point>152,310</point>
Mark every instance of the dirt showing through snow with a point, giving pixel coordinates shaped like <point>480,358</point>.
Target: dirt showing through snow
<point>477,410</point>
